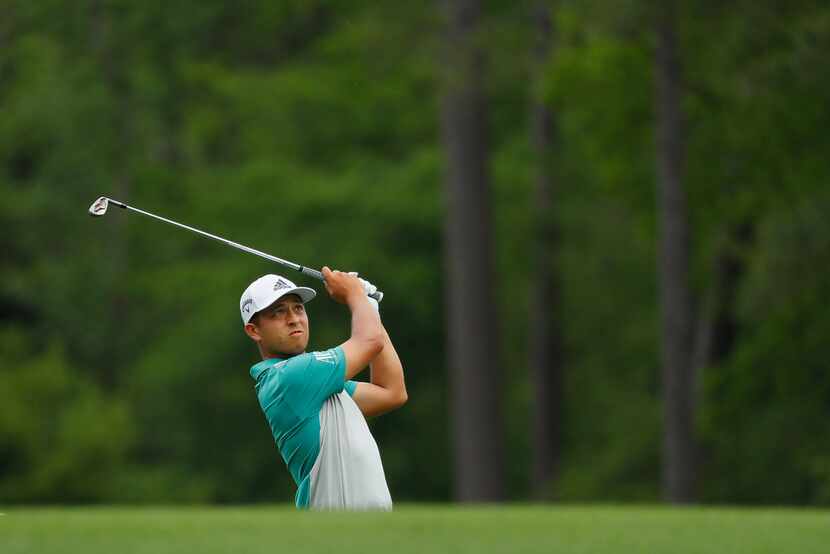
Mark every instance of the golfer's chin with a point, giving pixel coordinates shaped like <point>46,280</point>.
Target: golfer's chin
<point>296,343</point>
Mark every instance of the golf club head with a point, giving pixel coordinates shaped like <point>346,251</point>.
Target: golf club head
<point>99,207</point>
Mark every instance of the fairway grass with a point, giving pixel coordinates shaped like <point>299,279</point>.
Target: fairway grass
<point>413,529</point>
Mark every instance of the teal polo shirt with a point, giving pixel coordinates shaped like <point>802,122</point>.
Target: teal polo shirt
<point>291,392</point>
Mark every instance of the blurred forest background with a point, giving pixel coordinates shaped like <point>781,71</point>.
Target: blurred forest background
<point>601,229</point>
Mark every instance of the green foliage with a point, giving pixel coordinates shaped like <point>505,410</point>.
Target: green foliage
<point>60,435</point>
<point>769,402</point>
<point>310,130</point>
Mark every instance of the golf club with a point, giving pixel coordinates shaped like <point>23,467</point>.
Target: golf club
<point>99,208</point>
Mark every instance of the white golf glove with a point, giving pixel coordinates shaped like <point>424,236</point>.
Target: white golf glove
<point>369,289</point>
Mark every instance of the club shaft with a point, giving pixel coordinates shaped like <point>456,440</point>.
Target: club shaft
<point>297,267</point>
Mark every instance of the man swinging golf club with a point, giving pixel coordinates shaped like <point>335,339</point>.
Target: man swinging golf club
<point>315,411</point>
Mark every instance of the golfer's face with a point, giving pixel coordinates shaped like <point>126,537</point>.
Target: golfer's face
<point>283,326</point>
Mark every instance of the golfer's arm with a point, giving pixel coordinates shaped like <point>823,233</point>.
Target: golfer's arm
<point>367,340</point>
<point>387,389</point>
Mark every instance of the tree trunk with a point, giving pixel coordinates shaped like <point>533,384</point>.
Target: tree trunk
<point>545,353</point>
<point>679,450</point>
<point>472,316</point>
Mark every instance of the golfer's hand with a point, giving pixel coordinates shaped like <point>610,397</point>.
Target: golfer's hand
<point>369,289</point>
<point>342,287</point>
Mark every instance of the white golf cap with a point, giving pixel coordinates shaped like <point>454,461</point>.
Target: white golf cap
<point>265,291</point>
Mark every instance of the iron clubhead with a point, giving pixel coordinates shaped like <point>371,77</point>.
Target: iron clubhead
<point>99,207</point>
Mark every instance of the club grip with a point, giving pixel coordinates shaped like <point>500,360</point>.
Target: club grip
<point>377,295</point>
<point>312,273</point>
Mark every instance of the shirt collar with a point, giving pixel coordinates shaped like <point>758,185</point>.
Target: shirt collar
<point>259,368</point>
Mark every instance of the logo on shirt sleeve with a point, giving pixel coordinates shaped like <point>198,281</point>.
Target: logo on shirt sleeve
<point>327,357</point>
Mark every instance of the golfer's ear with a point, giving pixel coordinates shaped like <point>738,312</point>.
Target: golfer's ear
<point>252,331</point>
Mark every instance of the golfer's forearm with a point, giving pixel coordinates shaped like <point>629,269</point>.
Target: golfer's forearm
<point>386,369</point>
<point>366,325</point>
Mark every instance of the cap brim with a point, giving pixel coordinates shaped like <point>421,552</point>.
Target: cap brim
<point>304,293</point>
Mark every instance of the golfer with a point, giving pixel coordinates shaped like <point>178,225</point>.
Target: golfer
<point>316,412</point>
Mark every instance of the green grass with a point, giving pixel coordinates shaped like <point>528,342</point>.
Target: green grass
<point>415,529</point>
